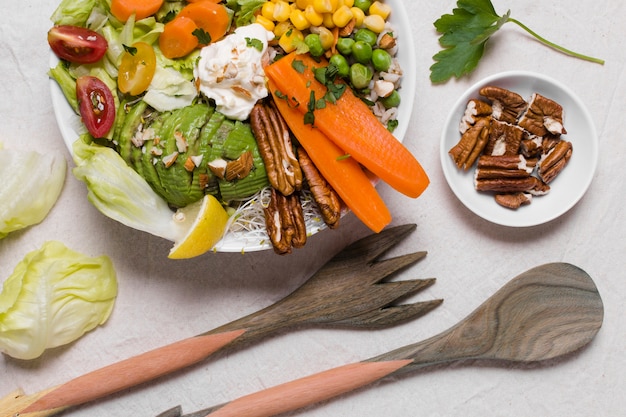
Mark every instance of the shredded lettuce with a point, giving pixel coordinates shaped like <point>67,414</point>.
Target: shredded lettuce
<point>54,296</point>
<point>31,185</point>
<point>120,193</point>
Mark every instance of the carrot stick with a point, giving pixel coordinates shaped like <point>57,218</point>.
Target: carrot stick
<point>345,175</point>
<point>352,126</point>
<point>209,16</point>
<point>123,9</point>
<point>177,38</point>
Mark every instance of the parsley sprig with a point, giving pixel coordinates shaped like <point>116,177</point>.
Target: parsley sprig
<point>464,34</point>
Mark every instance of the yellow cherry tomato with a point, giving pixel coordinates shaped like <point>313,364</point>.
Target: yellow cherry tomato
<point>136,69</point>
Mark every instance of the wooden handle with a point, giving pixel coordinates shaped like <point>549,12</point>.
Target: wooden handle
<point>127,373</point>
<point>308,390</point>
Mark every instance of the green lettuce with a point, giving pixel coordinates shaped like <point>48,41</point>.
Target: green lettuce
<point>54,296</point>
<point>31,185</point>
<point>120,193</point>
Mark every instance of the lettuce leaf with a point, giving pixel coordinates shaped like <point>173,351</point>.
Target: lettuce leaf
<point>31,185</point>
<point>120,193</point>
<point>53,297</point>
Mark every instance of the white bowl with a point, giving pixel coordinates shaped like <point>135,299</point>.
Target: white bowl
<point>70,126</point>
<point>565,190</point>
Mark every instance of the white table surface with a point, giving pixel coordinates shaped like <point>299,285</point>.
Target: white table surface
<point>162,300</point>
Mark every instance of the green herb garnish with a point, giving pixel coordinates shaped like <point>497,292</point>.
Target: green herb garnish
<point>254,43</point>
<point>464,34</point>
<point>204,38</point>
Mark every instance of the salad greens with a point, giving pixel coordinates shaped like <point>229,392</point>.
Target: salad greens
<point>31,185</point>
<point>119,192</point>
<point>53,297</point>
<point>464,34</point>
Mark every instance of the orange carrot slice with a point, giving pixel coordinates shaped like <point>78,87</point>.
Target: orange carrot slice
<point>345,175</point>
<point>208,16</point>
<point>352,126</point>
<point>123,9</point>
<point>177,38</point>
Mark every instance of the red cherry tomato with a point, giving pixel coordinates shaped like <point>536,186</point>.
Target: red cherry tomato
<point>136,68</point>
<point>96,104</point>
<point>77,44</point>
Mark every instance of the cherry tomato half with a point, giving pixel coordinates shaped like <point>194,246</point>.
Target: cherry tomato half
<point>77,44</point>
<point>96,104</point>
<point>136,69</point>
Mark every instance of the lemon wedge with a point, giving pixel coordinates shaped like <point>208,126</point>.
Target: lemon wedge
<point>203,224</point>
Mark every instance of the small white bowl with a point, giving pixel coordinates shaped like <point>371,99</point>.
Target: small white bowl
<point>565,190</point>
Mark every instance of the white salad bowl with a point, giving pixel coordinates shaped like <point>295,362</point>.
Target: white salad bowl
<point>71,127</point>
<point>565,190</point>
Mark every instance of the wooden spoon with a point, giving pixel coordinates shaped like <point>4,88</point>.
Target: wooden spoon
<point>548,311</point>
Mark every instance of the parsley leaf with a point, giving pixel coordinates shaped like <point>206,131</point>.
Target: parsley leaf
<point>464,34</point>
<point>204,38</point>
<point>254,43</point>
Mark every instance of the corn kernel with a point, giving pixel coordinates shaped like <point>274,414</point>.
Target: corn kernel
<point>358,16</point>
<point>299,20</point>
<point>267,10</point>
<point>323,6</point>
<point>288,40</point>
<point>281,28</point>
<point>302,4</point>
<point>348,3</point>
<point>328,20</point>
<point>326,36</point>
<point>374,22</point>
<point>380,9</point>
<point>281,11</point>
<point>314,18</point>
<point>342,16</point>
<point>265,22</point>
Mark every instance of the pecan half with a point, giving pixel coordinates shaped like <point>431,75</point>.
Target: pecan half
<point>513,201</point>
<point>240,167</point>
<point>543,116</point>
<point>555,160</point>
<point>474,109</point>
<point>276,149</point>
<point>324,195</point>
<point>504,139</point>
<point>507,105</point>
<point>507,185</point>
<point>284,221</point>
<point>471,144</point>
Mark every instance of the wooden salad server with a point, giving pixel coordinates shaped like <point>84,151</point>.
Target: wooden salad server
<point>349,290</point>
<point>545,312</point>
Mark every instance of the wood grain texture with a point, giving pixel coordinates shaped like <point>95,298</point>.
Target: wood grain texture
<point>347,291</point>
<point>548,311</point>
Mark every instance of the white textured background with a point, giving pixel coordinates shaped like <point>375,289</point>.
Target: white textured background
<point>163,301</point>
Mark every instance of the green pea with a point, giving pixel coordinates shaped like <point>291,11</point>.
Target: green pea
<point>363,4</point>
<point>392,100</point>
<point>362,52</point>
<point>344,45</point>
<point>360,75</point>
<point>381,60</point>
<point>366,35</point>
<point>340,61</point>
<point>312,40</point>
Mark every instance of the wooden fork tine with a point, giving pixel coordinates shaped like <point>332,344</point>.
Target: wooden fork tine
<point>390,316</point>
<point>369,248</point>
<point>380,270</point>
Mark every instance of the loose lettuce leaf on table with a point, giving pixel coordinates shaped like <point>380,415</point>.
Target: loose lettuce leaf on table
<point>53,297</point>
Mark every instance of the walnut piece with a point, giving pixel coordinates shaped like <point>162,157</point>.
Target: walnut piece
<point>324,195</point>
<point>507,105</point>
<point>284,222</point>
<point>276,149</point>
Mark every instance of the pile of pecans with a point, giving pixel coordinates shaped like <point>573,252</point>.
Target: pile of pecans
<point>289,170</point>
<point>516,145</point>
